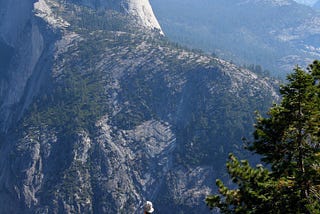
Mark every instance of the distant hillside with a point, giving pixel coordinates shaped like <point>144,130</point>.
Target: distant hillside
<point>274,34</point>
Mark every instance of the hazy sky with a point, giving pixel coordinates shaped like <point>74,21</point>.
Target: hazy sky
<point>308,2</point>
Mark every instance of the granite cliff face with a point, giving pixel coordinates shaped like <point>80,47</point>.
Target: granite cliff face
<point>25,41</point>
<point>140,10</point>
<point>100,112</point>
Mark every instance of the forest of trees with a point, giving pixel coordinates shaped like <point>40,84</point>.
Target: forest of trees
<point>288,141</point>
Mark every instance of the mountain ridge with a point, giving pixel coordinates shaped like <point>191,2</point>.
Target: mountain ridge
<point>113,114</point>
<point>274,34</point>
<point>141,10</point>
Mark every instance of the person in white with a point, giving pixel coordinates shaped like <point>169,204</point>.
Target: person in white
<point>148,208</point>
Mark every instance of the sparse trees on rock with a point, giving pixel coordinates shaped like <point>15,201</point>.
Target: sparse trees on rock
<point>289,142</point>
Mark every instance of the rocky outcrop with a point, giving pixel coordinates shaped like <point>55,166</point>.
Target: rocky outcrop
<point>133,163</point>
<point>25,39</point>
<point>31,46</point>
<point>140,10</point>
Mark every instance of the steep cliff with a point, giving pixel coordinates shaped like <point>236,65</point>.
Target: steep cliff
<point>140,10</point>
<point>28,51</point>
<point>109,114</point>
<point>24,39</point>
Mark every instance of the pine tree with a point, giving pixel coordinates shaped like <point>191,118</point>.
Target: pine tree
<point>288,140</point>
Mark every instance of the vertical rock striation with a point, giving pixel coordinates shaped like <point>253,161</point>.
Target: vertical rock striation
<point>31,47</point>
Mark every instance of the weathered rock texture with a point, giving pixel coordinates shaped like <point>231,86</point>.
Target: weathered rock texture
<point>99,113</point>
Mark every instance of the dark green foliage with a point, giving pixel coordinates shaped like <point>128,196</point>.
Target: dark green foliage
<point>75,103</point>
<point>208,117</point>
<point>258,70</point>
<point>87,20</point>
<point>254,193</point>
<point>289,142</point>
